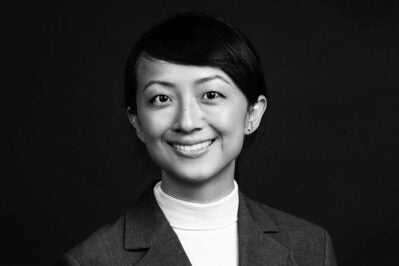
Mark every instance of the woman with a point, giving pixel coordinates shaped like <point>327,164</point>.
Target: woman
<point>195,91</point>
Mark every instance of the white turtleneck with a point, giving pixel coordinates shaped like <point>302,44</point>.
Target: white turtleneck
<point>207,231</point>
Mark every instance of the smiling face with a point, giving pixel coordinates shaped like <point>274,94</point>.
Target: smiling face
<point>192,121</point>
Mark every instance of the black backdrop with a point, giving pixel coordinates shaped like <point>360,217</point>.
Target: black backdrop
<point>327,150</point>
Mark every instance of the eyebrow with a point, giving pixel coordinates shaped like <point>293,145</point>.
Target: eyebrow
<point>197,82</point>
<point>160,82</point>
<point>206,79</point>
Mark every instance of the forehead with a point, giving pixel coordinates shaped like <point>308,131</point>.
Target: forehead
<point>153,69</point>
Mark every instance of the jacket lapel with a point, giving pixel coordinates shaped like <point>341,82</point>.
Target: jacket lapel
<point>255,230</point>
<point>146,229</point>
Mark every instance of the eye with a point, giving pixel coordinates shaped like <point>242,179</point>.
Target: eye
<point>210,95</point>
<point>160,99</point>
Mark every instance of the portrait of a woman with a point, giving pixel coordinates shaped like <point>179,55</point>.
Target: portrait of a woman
<point>195,95</point>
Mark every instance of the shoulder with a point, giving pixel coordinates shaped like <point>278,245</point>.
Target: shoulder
<point>102,247</point>
<point>106,237</point>
<point>304,239</point>
<point>291,224</point>
<point>107,245</point>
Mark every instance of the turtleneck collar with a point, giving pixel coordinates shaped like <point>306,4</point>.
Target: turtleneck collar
<point>186,215</point>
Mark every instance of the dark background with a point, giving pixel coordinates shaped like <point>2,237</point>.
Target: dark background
<point>327,150</point>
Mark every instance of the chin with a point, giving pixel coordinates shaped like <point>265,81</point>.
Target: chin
<point>199,174</point>
<point>191,177</point>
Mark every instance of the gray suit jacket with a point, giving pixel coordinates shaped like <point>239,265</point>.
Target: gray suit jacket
<point>143,236</point>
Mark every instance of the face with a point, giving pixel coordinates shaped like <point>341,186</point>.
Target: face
<point>191,119</point>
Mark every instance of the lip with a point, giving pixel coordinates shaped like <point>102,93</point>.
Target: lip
<point>191,149</point>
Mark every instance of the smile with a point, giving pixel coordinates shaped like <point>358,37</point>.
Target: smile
<point>194,149</point>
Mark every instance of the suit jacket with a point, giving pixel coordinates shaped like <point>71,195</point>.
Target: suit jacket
<point>143,236</point>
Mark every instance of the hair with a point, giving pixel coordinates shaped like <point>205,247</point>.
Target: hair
<point>199,39</point>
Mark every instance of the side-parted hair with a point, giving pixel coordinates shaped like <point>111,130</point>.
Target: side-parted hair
<point>199,39</point>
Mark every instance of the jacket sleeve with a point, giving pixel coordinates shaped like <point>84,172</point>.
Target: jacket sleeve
<point>329,256</point>
<point>66,260</point>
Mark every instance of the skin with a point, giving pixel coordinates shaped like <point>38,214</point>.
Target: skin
<point>181,106</point>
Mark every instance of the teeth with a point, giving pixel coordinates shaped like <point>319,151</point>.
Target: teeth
<point>195,147</point>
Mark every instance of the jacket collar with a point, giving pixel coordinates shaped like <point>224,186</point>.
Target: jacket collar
<point>256,232</point>
<point>146,227</point>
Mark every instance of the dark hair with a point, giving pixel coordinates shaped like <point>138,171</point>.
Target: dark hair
<point>199,39</point>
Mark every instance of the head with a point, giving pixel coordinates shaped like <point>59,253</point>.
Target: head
<point>172,56</point>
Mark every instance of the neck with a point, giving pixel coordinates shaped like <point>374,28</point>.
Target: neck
<point>202,191</point>
<point>198,216</point>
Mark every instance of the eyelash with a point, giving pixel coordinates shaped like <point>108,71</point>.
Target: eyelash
<point>155,99</point>
<point>217,94</point>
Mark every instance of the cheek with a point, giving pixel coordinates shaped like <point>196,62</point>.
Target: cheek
<point>229,120</point>
<point>154,124</point>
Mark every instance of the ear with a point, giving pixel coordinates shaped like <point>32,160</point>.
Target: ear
<point>134,120</point>
<point>254,115</point>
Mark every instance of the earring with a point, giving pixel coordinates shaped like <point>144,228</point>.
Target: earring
<point>251,127</point>
<point>251,123</point>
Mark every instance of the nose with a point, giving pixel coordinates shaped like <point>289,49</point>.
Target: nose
<point>189,117</point>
